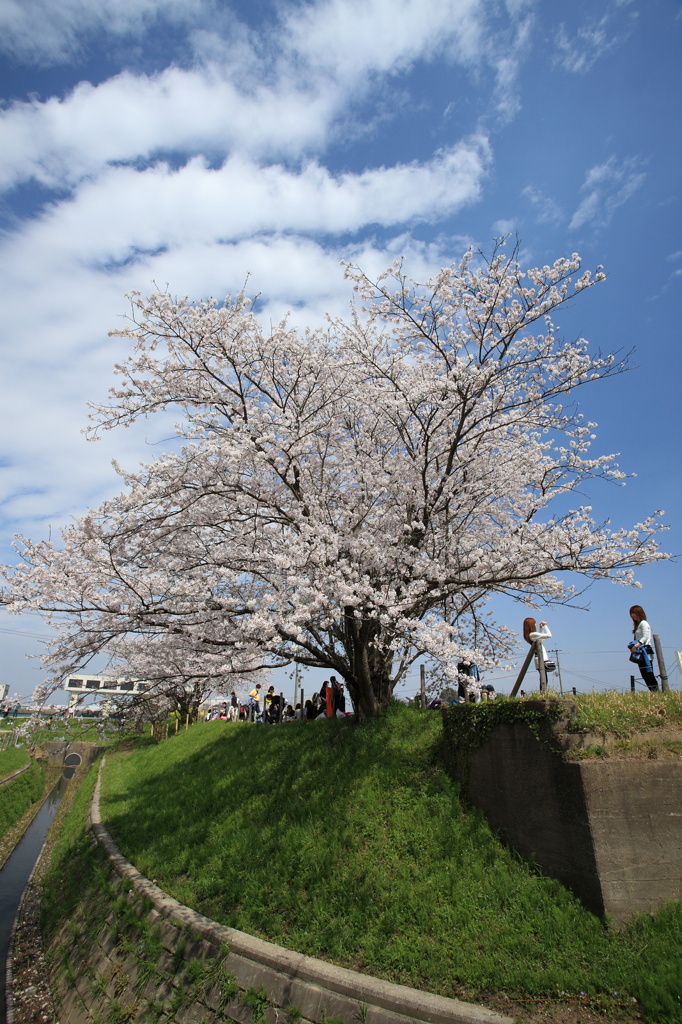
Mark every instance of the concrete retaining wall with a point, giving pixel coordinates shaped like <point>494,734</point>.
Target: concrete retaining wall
<point>205,972</point>
<point>56,751</point>
<point>610,830</point>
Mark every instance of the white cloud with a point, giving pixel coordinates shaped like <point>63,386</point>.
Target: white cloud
<point>347,38</point>
<point>578,53</point>
<point>607,186</point>
<point>504,227</point>
<point>343,38</point>
<point>132,117</point>
<point>508,54</point>
<point>124,211</point>
<point>123,214</point>
<point>49,32</point>
<point>283,94</point>
<point>547,210</point>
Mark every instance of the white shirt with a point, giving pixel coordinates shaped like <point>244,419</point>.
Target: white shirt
<point>643,633</point>
<point>542,634</point>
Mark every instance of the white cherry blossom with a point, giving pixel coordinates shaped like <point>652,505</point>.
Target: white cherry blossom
<point>350,497</point>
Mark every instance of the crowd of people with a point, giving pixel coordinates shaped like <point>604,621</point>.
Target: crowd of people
<point>270,707</point>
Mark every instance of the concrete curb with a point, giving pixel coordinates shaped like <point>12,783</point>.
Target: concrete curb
<point>15,774</point>
<point>398,1002</point>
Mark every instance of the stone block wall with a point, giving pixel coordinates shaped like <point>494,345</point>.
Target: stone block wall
<point>610,830</point>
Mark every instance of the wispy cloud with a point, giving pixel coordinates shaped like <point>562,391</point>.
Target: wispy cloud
<point>547,210</point>
<point>44,32</point>
<point>606,187</point>
<point>596,37</point>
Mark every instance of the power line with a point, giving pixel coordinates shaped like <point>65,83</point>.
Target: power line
<point>21,632</point>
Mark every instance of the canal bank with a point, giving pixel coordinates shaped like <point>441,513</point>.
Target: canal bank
<point>15,875</point>
<point>23,848</point>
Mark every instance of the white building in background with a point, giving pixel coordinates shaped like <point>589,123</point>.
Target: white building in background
<point>108,686</point>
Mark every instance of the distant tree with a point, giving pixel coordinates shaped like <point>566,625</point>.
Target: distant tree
<point>348,498</point>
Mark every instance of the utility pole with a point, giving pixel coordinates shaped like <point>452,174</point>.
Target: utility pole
<point>558,671</point>
<point>296,684</point>
<point>422,684</point>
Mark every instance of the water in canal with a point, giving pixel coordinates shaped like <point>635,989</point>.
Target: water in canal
<point>16,872</point>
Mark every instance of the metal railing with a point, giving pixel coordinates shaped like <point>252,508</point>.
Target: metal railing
<point>8,739</point>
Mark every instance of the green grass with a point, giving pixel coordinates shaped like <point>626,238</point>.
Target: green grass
<point>12,759</point>
<point>349,843</point>
<point>625,713</point>
<point>74,870</point>
<point>86,730</point>
<point>18,795</point>
<point>640,725</point>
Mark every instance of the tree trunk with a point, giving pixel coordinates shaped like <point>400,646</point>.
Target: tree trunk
<point>369,679</point>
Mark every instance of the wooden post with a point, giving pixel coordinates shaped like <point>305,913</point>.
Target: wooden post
<point>524,669</point>
<point>177,719</point>
<point>541,666</point>
<point>632,684</point>
<point>558,671</point>
<point>186,722</point>
<point>661,664</point>
<point>151,730</point>
<point>422,684</point>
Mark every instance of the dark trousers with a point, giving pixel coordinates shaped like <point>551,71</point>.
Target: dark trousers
<point>646,674</point>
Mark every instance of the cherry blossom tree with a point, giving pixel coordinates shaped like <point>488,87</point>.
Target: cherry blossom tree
<point>349,497</point>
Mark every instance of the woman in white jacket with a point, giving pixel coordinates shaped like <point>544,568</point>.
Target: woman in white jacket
<point>641,631</point>
<point>531,633</point>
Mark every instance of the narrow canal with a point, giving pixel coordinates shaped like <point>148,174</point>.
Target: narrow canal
<point>15,874</point>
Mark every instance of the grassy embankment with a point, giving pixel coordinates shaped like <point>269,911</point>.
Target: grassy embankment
<point>20,793</point>
<point>349,843</point>
<point>77,730</point>
<point>630,724</point>
<point>605,725</point>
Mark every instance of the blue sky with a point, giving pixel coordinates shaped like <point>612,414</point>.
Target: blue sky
<point>193,142</point>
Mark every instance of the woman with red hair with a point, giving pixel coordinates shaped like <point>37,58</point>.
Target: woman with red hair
<point>531,633</point>
<point>642,646</point>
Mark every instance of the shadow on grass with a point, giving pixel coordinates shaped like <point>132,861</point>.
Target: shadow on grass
<point>349,842</point>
